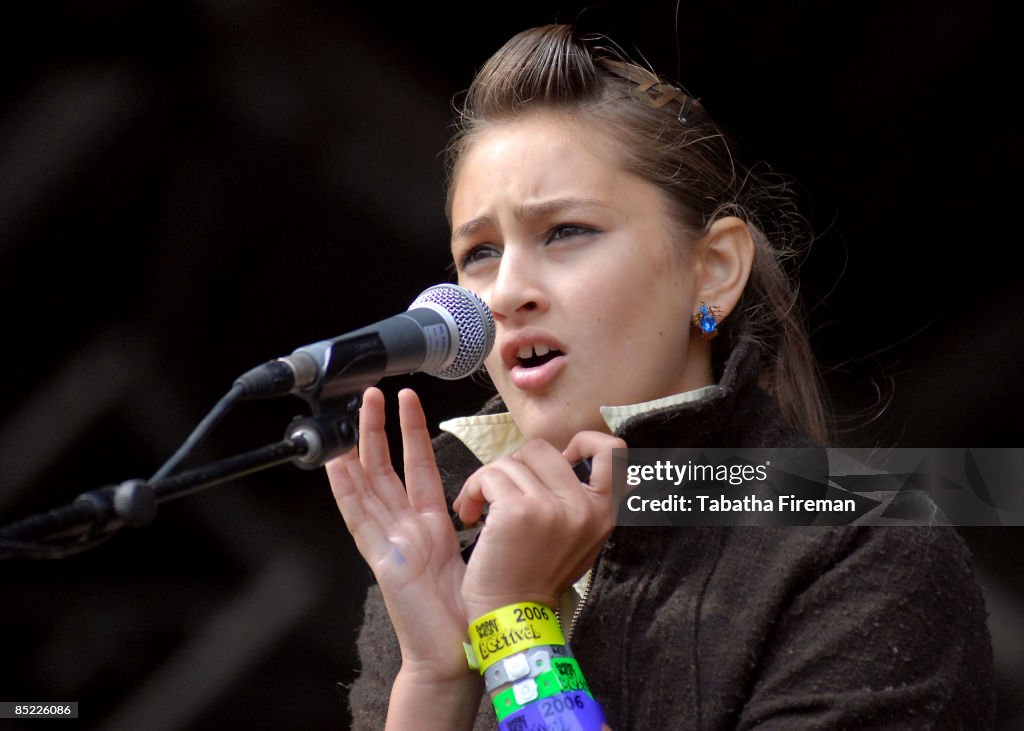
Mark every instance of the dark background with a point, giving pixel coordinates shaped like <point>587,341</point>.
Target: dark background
<point>188,189</point>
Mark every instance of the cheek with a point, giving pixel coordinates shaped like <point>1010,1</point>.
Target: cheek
<point>497,373</point>
<point>651,322</point>
<point>644,296</point>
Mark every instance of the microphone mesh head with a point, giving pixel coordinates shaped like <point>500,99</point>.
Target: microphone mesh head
<point>473,322</point>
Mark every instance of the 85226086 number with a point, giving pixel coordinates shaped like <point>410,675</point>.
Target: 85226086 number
<point>39,710</point>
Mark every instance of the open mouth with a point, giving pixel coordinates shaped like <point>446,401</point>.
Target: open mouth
<point>537,355</point>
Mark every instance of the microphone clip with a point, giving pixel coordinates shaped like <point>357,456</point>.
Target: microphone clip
<point>329,432</point>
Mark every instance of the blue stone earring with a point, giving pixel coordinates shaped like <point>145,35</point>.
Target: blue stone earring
<point>706,320</point>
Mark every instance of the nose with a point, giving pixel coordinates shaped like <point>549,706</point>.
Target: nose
<point>518,290</point>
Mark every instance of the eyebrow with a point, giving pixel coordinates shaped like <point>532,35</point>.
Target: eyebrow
<point>528,211</point>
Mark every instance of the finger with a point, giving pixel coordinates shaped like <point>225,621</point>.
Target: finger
<point>526,481</point>
<point>373,439</point>
<point>351,490</point>
<point>422,480</point>
<point>349,482</point>
<point>522,474</point>
<point>336,467</point>
<point>351,487</point>
<point>581,510</point>
<point>486,486</point>
<point>598,447</point>
<point>551,469</point>
<point>374,453</point>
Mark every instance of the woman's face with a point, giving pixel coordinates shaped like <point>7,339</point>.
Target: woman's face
<point>581,265</point>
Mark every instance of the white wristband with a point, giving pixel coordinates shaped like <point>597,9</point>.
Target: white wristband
<point>527,664</point>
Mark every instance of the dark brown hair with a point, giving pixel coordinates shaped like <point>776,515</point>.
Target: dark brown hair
<point>664,136</point>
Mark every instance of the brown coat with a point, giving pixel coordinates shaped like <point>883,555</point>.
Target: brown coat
<point>737,627</point>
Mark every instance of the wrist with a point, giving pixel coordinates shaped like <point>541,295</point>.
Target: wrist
<point>477,605</point>
<point>434,675</point>
<point>453,701</point>
<point>529,670</point>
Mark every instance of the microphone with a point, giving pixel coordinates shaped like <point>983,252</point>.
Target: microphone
<point>446,332</point>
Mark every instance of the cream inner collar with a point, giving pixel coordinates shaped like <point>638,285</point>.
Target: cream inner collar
<point>489,436</point>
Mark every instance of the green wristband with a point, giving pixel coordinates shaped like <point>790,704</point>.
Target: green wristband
<point>564,675</point>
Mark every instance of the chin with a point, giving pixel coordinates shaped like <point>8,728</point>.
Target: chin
<point>555,428</point>
<point>539,425</point>
<point>533,430</point>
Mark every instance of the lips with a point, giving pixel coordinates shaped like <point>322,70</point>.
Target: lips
<point>533,357</point>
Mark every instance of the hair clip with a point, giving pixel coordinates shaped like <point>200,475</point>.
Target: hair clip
<point>656,94</point>
<point>706,320</point>
<point>684,109</point>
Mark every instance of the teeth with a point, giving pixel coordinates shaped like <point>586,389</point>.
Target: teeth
<point>535,351</point>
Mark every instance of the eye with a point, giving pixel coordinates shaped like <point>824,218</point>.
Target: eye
<point>568,230</point>
<point>477,254</point>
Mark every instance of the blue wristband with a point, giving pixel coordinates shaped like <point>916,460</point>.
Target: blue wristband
<point>573,711</point>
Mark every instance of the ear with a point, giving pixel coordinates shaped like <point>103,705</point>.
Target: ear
<point>725,255</point>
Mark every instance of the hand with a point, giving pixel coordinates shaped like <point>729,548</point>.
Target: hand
<point>407,537</point>
<point>544,528</point>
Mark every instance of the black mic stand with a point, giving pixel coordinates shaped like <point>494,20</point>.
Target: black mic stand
<point>94,516</point>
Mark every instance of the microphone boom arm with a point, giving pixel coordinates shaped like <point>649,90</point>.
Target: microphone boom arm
<point>95,515</point>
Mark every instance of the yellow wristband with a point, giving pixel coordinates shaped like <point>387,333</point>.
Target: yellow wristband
<point>512,629</point>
